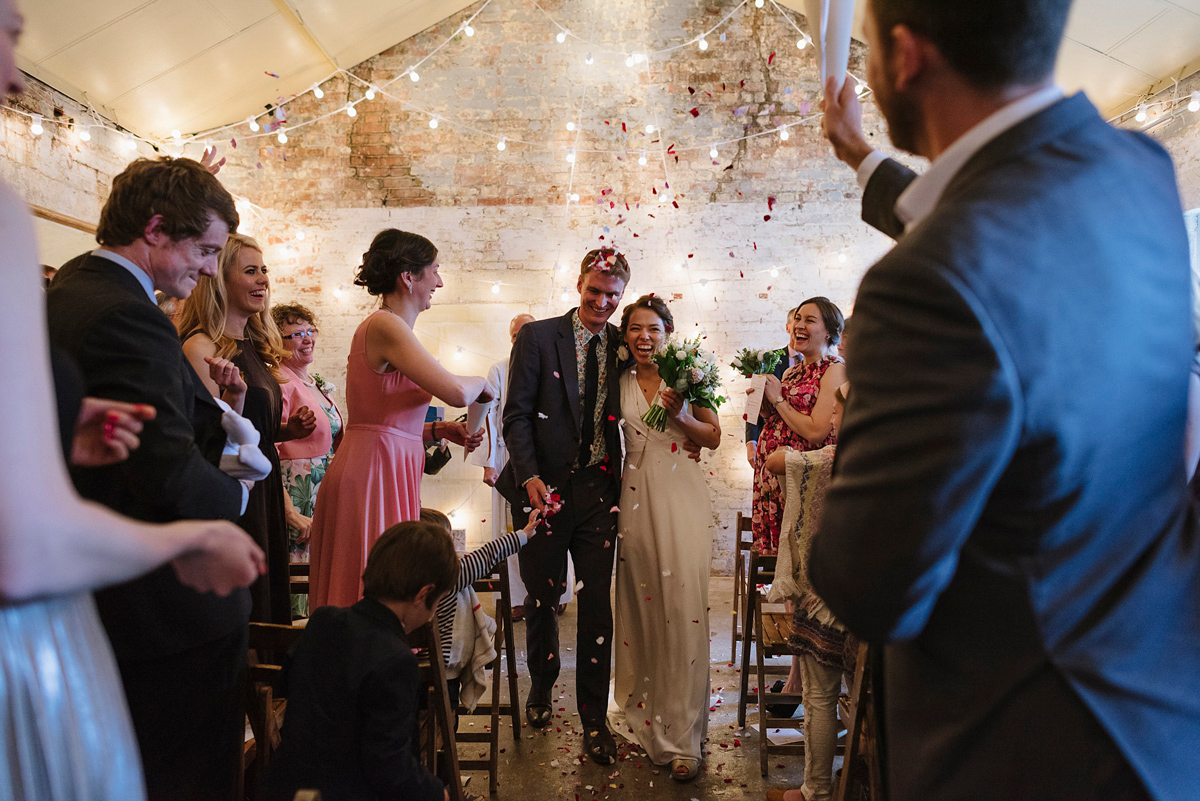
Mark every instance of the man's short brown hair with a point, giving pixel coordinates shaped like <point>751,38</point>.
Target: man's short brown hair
<point>181,190</point>
<point>605,260</point>
<point>407,557</point>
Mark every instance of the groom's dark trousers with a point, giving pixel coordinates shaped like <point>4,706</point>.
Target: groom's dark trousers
<point>542,430</point>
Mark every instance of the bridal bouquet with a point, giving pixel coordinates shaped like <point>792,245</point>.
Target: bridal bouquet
<point>755,362</point>
<point>691,372</point>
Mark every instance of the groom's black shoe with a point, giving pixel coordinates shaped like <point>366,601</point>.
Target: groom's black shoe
<point>538,709</point>
<point>599,744</point>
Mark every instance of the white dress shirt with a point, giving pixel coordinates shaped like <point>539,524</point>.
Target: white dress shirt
<point>915,203</point>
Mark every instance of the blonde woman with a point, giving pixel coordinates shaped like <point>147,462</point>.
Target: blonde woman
<point>227,317</point>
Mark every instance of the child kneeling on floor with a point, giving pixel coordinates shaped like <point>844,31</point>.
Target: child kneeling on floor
<point>350,729</point>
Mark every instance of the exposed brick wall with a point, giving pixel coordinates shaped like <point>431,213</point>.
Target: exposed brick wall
<point>504,216</point>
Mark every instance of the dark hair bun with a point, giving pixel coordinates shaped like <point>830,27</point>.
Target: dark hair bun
<point>393,252</point>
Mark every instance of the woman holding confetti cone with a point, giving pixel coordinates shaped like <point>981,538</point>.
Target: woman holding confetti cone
<point>661,691</point>
<point>374,480</point>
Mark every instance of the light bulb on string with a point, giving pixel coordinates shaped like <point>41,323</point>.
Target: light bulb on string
<point>702,44</point>
<point>468,30</point>
<point>338,294</point>
<point>842,258</point>
<point>564,296</point>
<point>458,354</point>
<point>413,76</point>
<point>562,268</point>
<point>1194,103</point>
<point>282,136</point>
<point>1141,113</point>
<point>570,125</point>
<point>802,43</point>
<point>629,62</point>
<point>642,159</point>
<point>433,122</point>
<point>662,198</point>
<point>679,267</point>
<point>318,92</point>
<point>650,128</point>
<point>129,143</point>
<point>574,197</point>
<point>35,125</point>
<point>571,156</point>
<point>300,235</point>
<point>783,134</point>
<point>638,58</point>
<point>85,133</point>
<point>176,135</point>
<point>588,59</point>
<point>496,288</point>
<point>859,88</point>
<point>562,37</point>
<point>253,123</point>
<point>370,93</point>
<point>712,152</point>
<point>502,144</point>
<point>351,111</point>
<point>774,272</point>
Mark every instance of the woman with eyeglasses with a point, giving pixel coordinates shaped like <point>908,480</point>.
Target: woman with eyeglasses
<point>303,461</point>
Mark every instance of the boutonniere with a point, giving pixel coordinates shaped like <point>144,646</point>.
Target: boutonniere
<point>326,388</point>
<point>622,353</point>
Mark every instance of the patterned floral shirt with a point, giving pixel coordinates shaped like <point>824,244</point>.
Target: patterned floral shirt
<point>582,338</point>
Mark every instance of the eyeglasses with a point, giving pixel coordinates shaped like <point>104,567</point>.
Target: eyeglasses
<point>301,335</point>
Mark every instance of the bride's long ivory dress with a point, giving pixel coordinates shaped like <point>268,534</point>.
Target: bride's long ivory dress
<point>661,674</point>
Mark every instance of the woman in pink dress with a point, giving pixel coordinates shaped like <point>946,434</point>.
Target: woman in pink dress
<point>374,480</point>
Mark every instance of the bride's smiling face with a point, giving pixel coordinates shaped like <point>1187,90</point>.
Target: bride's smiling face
<point>645,334</point>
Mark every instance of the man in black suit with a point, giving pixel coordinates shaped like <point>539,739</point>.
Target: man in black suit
<point>1009,509</point>
<point>181,653</point>
<point>786,359</point>
<point>560,425</point>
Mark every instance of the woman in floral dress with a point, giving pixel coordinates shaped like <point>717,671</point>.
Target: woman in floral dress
<point>304,461</point>
<point>798,410</point>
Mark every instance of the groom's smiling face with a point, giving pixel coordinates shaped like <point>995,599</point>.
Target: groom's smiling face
<point>599,295</point>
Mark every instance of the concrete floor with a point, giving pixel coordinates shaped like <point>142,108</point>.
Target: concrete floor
<point>549,764</point>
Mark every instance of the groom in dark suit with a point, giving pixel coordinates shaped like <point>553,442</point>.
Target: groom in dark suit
<point>1009,509</point>
<point>181,653</point>
<point>560,425</point>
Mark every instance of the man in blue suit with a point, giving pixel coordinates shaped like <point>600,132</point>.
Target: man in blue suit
<point>1008,511</point>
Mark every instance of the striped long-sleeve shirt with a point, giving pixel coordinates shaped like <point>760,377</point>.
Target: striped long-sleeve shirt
<point>473,566</point>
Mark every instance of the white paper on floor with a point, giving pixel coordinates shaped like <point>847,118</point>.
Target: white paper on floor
<point>781,736</point>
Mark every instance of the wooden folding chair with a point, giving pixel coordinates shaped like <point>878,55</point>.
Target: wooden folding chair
<point>298,572</point>
<point>441,760</point>
<point>862,740</point>
<point>767,632</point>
<point>744,541</point>
<point>503,641</point>
<point>264,695</point>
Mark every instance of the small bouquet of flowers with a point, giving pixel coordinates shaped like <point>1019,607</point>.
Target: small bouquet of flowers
<point>691,372</point>
<point>755,362</point>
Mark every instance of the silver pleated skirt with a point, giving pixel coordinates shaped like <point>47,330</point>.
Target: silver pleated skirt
<point>65,733</point>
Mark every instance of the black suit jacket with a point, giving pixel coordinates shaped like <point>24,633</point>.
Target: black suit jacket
<point>351,725</point>
<point>752,426</point>
<point>1008,507</point>
<point>541,411</point>
<point>128,350</point>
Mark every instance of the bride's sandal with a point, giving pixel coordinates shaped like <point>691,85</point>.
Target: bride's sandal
<point>684,770</point>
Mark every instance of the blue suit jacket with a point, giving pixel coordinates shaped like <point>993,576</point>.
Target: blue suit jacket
<point>1009,508</point>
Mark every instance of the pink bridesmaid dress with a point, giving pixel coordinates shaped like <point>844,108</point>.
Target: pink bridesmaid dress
<point>374,480</point>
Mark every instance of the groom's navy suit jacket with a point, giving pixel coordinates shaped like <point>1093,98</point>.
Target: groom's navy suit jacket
<point>1009,508</point>
<point>541,412</point>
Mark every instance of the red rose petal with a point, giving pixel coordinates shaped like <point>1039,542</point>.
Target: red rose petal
<point>695,112</point>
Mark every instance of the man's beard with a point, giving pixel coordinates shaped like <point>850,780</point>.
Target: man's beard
<point>903,119</point>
